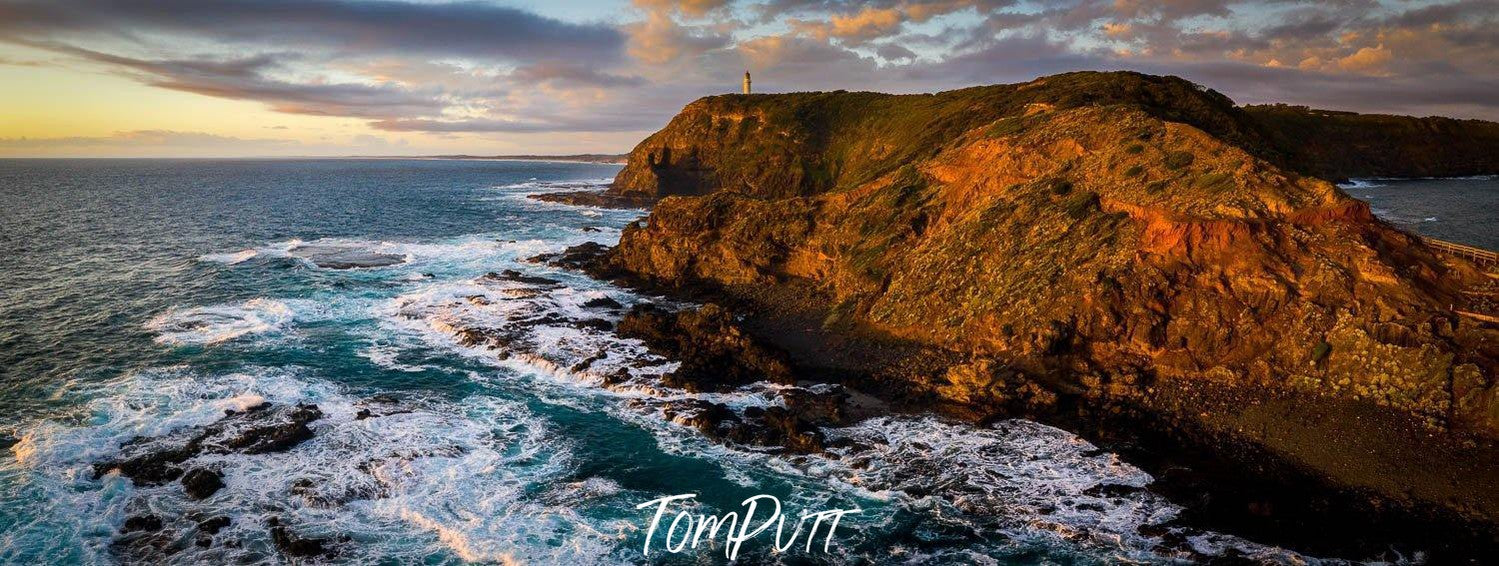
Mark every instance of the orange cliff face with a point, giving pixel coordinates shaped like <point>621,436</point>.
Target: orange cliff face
<point>1113,225</point>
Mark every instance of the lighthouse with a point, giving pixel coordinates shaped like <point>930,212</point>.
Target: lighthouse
<point>746,82</point>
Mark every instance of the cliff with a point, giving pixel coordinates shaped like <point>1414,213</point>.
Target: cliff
<point>1339,145</point>
<point>1119,232</point>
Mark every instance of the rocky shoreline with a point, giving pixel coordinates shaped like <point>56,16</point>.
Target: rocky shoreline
<point>1259,488</point>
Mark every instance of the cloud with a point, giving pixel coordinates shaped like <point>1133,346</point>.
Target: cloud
<point>582,124</point>
<point>691,8</point>
<point>573,75</point>
<point>855,29</point>
<point>244,79</point>
<point>661,39</point>
<point>470,29</point>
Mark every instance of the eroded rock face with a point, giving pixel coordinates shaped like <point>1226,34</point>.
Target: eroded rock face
<point>715,354</point>
<point>1121,230</point>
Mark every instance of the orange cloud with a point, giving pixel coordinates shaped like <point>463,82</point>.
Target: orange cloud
<point>866,25</point>
<point>692,8</point>
<point>1370,60</point>
<point>1117,30</point>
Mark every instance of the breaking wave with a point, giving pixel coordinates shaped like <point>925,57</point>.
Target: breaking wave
<point>421,477</point>
<point>220,323</point>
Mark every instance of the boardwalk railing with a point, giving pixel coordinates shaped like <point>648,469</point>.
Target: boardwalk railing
<point>1478,256</point>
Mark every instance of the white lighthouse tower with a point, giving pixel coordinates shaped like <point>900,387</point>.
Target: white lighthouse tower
<point>746,82</point>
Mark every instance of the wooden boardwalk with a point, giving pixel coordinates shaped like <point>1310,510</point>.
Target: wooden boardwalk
<point>1481,305</point>
<point>1479,256</point>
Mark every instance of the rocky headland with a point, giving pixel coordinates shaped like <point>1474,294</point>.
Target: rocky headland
<point>1131,257</point>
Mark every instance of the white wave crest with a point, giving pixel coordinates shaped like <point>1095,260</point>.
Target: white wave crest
<point>230,258</point>
<point>220,323</point>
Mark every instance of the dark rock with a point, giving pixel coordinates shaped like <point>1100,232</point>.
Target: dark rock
<point>261,406</point>
<point>258,430</point>
<point>599,199</point>
<point>285,430</point>
<point>208,528</point>
<point>589,257</point>
<point>769,427</point>
<point>142,524</point>
<point>602,303</point>
<point>822,408</point>
<point>1110,490</point>
<point>150,461</point>
<point>381,405</point>
<point>214,525</point>
<point>518,277</point>
<point>200,483</point>
<point>715,354</point>
<point>292,545</point>
<point>593,323</point>
<point>591,229</point>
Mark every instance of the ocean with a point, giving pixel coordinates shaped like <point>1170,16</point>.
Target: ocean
<point>142,298</point>
<point>1457,210</point>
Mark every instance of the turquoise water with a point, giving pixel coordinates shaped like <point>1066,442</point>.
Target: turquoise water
<point>142,297</point>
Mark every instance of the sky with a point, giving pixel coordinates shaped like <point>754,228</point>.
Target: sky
<point>201,78</point>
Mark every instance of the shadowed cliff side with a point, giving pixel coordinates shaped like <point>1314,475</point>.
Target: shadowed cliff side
<point>1137,239</point>
<point>1340,145</point>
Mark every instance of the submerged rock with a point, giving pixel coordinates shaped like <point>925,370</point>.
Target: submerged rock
<point>141,523</point>
<point>213,525</point>
<point>336,256</point>
<point>200,483</point>
<point>295,546</point>
<point>518,277</point>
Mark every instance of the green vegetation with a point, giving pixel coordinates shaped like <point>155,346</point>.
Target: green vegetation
<point>1320,351</point>
<point>1007,127</point>
<point>1134,171</point>
<point>1080,205</point>
<point>1134,149</point>
<point>1214,182</point>
<point>1178,159</point>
